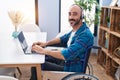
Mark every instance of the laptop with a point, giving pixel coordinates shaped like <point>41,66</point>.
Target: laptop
<point>24,45</point>
<point>27,49</point>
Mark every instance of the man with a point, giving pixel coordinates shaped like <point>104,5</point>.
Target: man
<point>76,41</point>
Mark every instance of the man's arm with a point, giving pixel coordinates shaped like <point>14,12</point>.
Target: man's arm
<point>51,42</point>
<point>56,54</point>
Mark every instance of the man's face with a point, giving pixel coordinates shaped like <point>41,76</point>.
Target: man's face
<point>74,15</point>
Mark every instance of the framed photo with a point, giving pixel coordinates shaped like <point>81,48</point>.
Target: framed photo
<point>113,2</point>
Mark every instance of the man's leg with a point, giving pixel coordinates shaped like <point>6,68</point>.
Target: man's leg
<point>33,74</point>
<point>54,60</point>
<point>52,67</point>
<point>46,66</point>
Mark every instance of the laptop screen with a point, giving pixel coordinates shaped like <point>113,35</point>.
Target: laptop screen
<point>22,41</point>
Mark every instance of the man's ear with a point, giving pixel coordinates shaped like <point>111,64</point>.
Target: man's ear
<point>82,16</point>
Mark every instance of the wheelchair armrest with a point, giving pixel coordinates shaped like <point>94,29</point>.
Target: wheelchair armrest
<point>96,47</point>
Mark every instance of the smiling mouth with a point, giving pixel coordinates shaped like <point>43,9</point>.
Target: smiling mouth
<point>72,23</point>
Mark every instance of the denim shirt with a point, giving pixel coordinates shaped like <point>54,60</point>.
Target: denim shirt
<point>82,39</point>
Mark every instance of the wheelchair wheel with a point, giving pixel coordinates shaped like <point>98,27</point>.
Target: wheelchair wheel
<point>79,76</point>
<point>89,69</point>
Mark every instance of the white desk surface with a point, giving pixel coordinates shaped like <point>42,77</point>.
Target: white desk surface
<point>12,53</point>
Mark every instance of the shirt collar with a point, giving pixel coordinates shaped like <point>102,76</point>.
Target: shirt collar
<point>81,29</point>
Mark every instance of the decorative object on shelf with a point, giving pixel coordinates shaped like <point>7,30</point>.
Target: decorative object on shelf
<point>17,19</point>
<point>108,22</point>
<point>118,3</point>
<point>113,3</point>
<point>108,18</point>
<point>117,74</point>
<point>107,39</point>
<point>117,52</point>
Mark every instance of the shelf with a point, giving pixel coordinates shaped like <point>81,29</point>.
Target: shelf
<point>111,7</point>
<point>109,39</point>
<point>117,60</point>
<point>115,8</point>
<point>103,37</point>
<point>102,58</point>
<point>106,51</point>
<point>104,28</point>
<point>115,33</point>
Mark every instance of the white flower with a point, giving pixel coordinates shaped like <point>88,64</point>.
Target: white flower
<point>16,18</point>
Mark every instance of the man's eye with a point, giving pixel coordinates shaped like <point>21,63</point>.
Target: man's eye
<point>69,13</point>
<point>74,14</point>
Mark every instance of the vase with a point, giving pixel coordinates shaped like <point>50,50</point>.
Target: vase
<point>15,33</point>
<point>106,43</point>
<point>108,24</point>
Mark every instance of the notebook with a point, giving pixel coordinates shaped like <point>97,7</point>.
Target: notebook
<point>24,45</point>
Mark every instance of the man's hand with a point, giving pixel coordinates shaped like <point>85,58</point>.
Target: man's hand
<point>40,44</point>
<point>38,49</point>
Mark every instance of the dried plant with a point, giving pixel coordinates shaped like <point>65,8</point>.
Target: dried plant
<point>16,18</point>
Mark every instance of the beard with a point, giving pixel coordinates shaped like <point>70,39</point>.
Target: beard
<point>74,22</point>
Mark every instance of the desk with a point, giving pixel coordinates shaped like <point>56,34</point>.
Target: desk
<point>11,54</point>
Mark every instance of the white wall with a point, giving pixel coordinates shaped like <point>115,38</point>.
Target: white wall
<point>27,7</point>
<point>65,5</point>
<point>49,17</point>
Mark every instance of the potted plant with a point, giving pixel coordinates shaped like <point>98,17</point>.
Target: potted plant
<point>108,21</point>
<point>87,6</point>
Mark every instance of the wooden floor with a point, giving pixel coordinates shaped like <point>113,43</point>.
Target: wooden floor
<point>98,71</point>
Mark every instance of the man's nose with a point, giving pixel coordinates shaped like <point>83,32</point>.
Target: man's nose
<point>70,17</point>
